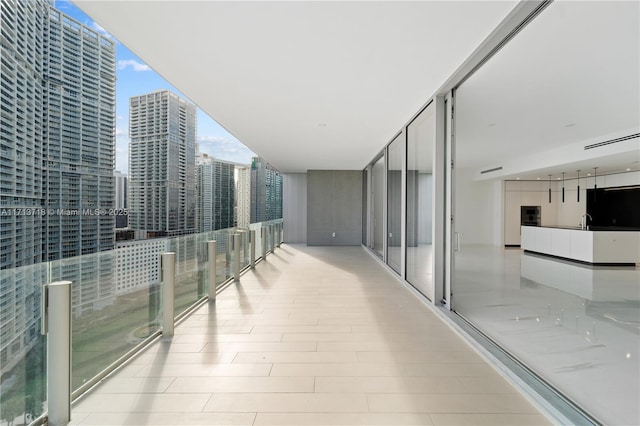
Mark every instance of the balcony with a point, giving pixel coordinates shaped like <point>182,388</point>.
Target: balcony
<point>312,335</point>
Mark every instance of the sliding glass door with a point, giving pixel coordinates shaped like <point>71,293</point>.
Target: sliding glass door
<point>420,152</point>
<point>377,206</point>
<point>395,163</point>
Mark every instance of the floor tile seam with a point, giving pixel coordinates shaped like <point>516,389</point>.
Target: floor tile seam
<point>207,402</point>
<point>453,412</point>
<point>319,392</point>
<point>367,376</point>
<point>372,393</point>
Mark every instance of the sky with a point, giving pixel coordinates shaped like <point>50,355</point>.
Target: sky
<point>134,77</point>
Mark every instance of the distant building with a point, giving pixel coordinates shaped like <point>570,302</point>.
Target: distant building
<point>138,264</point>
<point>243,197</point>
<point>266,191</point>
<point>121,200</point>
<point>162,187</point>
<point>215,193</point>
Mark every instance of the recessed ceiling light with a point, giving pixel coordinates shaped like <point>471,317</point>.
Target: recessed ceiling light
<point>537,178</point>
<point>628,170</point>
<point>588,174</point>
<point>517,178</point>
<point>558,178</point>
<point>570,125</point>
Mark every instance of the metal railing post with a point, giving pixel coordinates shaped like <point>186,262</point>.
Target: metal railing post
<point>252,243</point>
<point>272,230</point>
<point>236,257</point>
<point>263,231</point>
<point>244,245</point>
<point>168,265</point>
<point>279,234</point>
<point>56,324</point>
<point>211,258</point>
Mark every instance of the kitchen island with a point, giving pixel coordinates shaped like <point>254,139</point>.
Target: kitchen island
<point>595,246</point>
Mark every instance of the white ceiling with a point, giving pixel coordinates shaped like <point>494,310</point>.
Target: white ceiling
<point>324,85</point>
<point>568,79</point>
<point>306,85</point>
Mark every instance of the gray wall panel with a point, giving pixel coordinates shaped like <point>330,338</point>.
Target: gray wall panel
<point>334,204</point>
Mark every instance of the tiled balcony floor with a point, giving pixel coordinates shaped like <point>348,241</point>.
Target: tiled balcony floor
<point>314,335</point>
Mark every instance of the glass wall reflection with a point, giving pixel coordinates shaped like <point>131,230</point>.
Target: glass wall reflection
<point>420,149</point>
<point>377,204</point>
<point>576,326</point>
<point>395,155</point>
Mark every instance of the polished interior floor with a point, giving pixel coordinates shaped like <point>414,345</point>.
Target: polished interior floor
<point>576,325</point>
<point>313,335</point>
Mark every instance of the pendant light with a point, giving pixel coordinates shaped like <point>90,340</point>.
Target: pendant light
<point>595,184</point>
<point>549,188</point>
<point>563,187</point>
<point>578,185</point>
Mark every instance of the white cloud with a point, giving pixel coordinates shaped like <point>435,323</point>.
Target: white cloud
<point>221,140</point>
<point>225,148</point>
<point>137,66</point>
<point>96,27</point>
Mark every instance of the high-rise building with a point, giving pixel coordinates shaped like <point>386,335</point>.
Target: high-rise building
<point>162,198</point>
<point>57,147</point>
<point>121,200</point>
<point>266,191</point>
<point>21,137</point>
<point>243,197</point>
<point>216,194</point>
<point>79,138</point>
<point>57,143</point>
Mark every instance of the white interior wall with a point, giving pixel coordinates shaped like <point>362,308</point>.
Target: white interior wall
<point>478,209</point>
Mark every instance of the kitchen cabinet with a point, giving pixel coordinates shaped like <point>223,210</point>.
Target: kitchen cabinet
<point>597,247</point>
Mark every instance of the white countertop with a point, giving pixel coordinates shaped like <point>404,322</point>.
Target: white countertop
<point>599,246</point>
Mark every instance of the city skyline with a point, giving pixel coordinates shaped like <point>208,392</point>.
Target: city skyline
<point>133,78</point>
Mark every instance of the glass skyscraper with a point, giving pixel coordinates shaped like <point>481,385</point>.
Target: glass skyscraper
<point>243,197</point>
<point>162,188</point>
<point>57,142</point>
<point>266,191</point>
<point>79,123</point>
<point>216,195</point>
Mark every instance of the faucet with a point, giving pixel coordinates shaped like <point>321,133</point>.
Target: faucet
<point>583,221</point>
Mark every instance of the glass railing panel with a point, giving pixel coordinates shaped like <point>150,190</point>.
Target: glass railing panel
<point>112,307</point>
<point>116,305</point>
<point>23,358</point>
<point>191,258</point>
